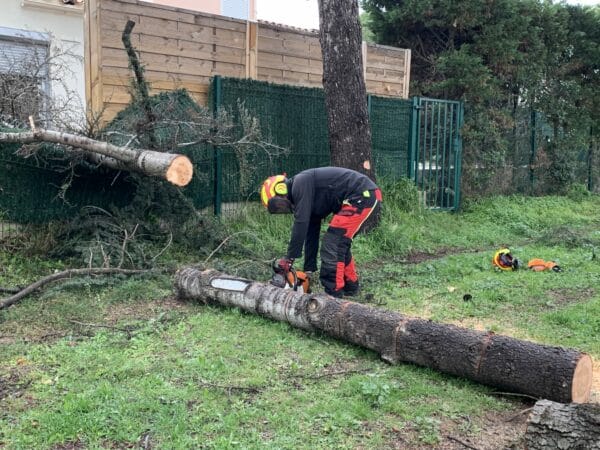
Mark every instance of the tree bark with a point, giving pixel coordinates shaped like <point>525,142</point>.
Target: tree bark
<point>175,168</point>
<point>141,86</point>
<point>344,85</point>
<point>512,365</point>
<point>554,426</point>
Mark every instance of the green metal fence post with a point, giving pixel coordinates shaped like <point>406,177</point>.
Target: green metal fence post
<point>412,138</point>
<point>458,165</point>
<point>217,99</point>
<point>218,165</point>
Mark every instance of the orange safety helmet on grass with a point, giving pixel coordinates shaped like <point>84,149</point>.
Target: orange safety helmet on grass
<point>271,187</point>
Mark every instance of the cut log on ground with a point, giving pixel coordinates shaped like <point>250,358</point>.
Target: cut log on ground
<point>554,426</point>
<point>512,365</point>
<point>175,168</point>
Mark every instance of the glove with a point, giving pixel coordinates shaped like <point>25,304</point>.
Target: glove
<point>285,264</point>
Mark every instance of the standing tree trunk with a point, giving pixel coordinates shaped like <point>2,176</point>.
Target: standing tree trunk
<point>344,85</point>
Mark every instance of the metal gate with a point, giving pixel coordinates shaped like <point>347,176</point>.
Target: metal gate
<point>436,150</point>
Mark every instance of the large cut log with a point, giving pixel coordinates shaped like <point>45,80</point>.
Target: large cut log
<point>175,168</point>
<point>554,426</point>
<point>542,371</point>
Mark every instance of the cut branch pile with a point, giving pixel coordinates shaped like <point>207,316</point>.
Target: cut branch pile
<point>512,365</point>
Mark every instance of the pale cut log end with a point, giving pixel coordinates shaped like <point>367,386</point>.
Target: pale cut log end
<point>581,386</point>
<point>180,171</point>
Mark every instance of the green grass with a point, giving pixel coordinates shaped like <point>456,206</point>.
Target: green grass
<point>116,363</point>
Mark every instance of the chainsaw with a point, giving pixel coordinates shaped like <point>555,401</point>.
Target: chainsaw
<point>290,279</point>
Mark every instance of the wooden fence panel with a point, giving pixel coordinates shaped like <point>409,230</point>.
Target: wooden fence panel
<point>184,49</point>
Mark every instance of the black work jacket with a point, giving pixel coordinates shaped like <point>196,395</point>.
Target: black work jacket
<point>316,193</point>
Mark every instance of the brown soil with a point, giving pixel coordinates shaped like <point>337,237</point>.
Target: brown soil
<point>563,297</point>
<point>417,257</point>
<point>496,431</point>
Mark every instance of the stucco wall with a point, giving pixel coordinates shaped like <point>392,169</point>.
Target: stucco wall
<point>64,25</point>
<point>238,9</point>
<point>209,6</point>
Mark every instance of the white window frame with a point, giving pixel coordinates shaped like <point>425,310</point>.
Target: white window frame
<point>41,41</point>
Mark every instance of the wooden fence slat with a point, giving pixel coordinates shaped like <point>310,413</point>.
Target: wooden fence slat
<point>384,74</point>
<point>385,89</point>
<point>158,11</point>
<point>184,49</point>
<point>152,76</point>
<point>274,61</point>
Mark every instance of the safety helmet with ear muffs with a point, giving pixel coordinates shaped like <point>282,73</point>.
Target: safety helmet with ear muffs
<point>504,260</point>
<point>271,187</point>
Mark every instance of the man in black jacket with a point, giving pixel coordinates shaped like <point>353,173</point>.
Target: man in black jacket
<point>312,195</point>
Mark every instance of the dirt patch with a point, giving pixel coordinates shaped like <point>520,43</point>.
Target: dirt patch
<point>563,297</point>
<point>78,445</point>
<point>493,431</point>
<point>144,310</point>
<point>12,384</point>
<point>418,257</point>
<point>76,330</point>
<point>71,445</point>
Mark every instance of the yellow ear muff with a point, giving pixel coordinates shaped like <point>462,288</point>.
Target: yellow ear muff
<point>281,188</point>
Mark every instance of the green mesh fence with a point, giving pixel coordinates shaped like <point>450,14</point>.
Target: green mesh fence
<point>390,133</point>
<point>32,189</point>
<point>294,118</point>
<point>292,121</point>
<point>542,161</point>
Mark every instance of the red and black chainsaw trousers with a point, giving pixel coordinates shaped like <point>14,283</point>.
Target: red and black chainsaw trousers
<point>338,272</point>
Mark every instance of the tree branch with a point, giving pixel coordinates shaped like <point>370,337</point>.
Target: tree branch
<point>62,275</point>
<point>141,85</point>
<point>177,169</point>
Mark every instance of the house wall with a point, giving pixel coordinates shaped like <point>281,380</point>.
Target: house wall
<point>63,24</point>
<point>238,9</point>
<point>208,6</point>
<point>184,49</point>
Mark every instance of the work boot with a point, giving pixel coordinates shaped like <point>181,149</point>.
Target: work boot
<point>351,289</point>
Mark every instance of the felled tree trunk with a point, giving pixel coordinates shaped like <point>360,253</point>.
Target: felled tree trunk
<point>512,365</point>
<point>175,168</point>
<point>554,426</point>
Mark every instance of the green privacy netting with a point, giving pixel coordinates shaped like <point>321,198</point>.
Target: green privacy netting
<point>293,125</point>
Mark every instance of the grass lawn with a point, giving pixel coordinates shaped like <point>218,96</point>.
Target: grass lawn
<point>118,362</point>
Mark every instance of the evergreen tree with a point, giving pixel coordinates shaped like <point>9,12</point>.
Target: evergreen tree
<point>504,58</point>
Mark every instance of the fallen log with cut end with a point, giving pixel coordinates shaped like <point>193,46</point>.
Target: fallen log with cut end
<point>175,168</point>
<point>541,371</point>
<point>552,426</point>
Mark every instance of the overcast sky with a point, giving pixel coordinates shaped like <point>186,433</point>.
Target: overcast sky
<point>305,13</point>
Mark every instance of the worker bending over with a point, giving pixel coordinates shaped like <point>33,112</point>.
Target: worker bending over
<point>312,195</point>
